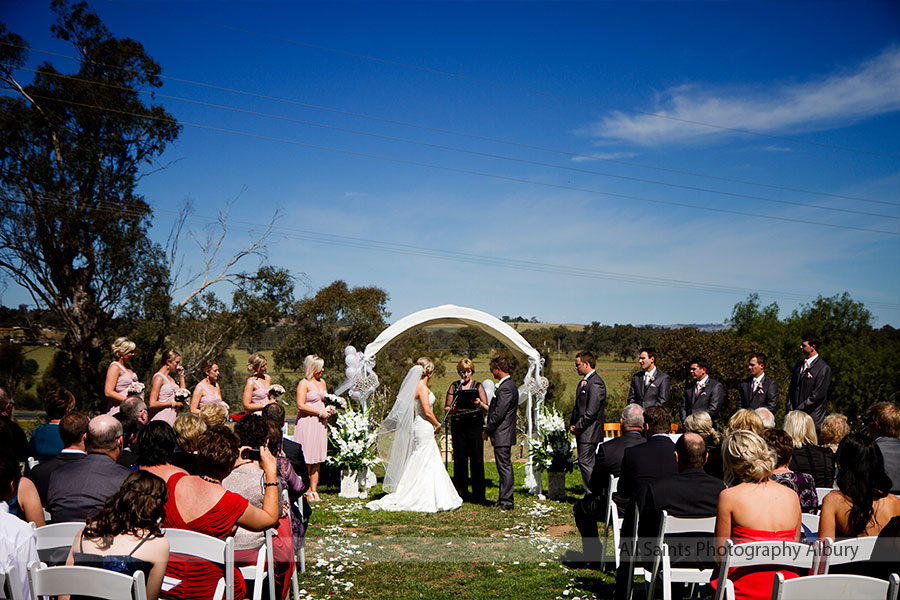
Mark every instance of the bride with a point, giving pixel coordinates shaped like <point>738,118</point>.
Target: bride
<point>415,475</point>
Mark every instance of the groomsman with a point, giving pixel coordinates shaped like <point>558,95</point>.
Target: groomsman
<point>759,391</point>
<point>588,415</point>
<point>706,393</point>
<point>810,382</point>
<point>501,427</point>
<point>650,387</point>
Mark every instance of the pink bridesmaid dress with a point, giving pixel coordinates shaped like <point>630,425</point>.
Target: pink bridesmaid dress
<point>166,394</point>
<point>310,431</point>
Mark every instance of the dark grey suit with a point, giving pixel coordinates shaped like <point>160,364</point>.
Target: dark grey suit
<point>890,449</point>
<point>501,428</point>
<point>709,399</point>
<point>765,397</point>
<point>657,393</point>
<point>40,475</point>
<point>809,390</point>
<point>80,488</point>
<point>588,418</point>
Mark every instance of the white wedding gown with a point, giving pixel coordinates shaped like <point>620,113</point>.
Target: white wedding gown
<point>424,485</point>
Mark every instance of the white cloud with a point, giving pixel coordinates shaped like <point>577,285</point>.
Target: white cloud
<point>605,156</point>
<point>835,100</point>
<point>776,149</point>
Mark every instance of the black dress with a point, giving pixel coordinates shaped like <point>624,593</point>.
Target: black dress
<point>466,426</point>
<point>126,564</point>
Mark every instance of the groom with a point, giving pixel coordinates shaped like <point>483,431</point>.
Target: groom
<point>501,427</point>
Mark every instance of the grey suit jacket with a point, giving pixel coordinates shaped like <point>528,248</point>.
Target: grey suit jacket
<point>809,390</point>
<point>590,410</point>
<point>501,417</point>
<point>656,394</point>
<point>40,475</point>
<point>709,399</point>
<point>765,397</point>
<point>80,488</point>
<point>890,449</point>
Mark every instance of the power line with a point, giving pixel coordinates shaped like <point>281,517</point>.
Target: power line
<point>504,85</point>
<point>471,172</point>
<point>467,134</point>
<point>467,151</point>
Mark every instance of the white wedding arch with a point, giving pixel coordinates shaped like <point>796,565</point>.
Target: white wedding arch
<point>362,380</point>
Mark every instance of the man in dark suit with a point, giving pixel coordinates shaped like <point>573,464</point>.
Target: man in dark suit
<point>80,488</point>
<point>592,508</point>
<point>883,421</point>
<point>649,387</point>
<point>501,428</point>
<point>73,430</point>
<point>758,391</point>
<point>706,393</point>
<point>810,382</point>
<point>588,415</point>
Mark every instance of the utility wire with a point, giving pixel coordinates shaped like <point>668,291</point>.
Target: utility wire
<point>467,151</point>
<point>570,154</point>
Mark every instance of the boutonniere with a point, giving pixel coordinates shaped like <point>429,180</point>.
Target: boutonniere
<point>652,379</point>
<point>759,390</point>
<point>808,375</point>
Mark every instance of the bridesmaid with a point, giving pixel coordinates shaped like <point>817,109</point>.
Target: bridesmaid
<point>163,404</point>
<point>208,389</point>
<point>256,391</point>
<point>119,374</point>
<point>311,430</point>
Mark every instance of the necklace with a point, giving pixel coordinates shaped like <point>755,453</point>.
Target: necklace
<point>210,479</point>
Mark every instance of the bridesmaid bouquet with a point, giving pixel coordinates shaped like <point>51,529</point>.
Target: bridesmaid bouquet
<point>134,388</point>
<point>556,449</point>
<point>354,441</point>
<point>335,401</point>
<point>182,394</point>
<point>275,392</point>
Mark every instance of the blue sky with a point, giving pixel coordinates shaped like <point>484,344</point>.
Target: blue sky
<point>620,162</point>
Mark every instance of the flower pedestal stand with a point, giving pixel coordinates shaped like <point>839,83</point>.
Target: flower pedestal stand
<point>349,484</point>
<point>365,480</point>
<point>556,482</point>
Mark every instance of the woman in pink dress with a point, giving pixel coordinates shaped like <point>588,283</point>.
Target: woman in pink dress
<point>311,430</point>
<point>208,389</point>
<point>256,390</point>
<point>163,403</point>
<point>119,374</point>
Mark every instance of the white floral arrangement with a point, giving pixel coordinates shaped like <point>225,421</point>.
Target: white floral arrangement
<point>276,390</point>
<point>556,449</point>
<point>539,385</point>
<point>182,394</point>
<point>335,401</point>
<point>134,388</point>
<point>354,441</point>
<point>366,383</point>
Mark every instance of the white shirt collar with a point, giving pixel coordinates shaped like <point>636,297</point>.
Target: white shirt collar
<point>650,373</point>
<point>502,380</point>
<point>585,378</point>
<point>758,380</point>
<point>72,451</point>
<point>703,381</point>
<point>811,360</point>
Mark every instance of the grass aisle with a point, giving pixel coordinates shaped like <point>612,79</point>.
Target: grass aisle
<point>476,552</point>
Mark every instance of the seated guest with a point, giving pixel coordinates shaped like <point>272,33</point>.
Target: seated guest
<point>155,450</point>
<point>20,448</point>
<point>214,413</point>
<point>18,541</point>
<point>247,480</point>
<point>130,427</point>
<point>592,508</point>
<point>768,419</point>
<point>690,493</point>
<point>188,429</point>
<point>80,488</point>
<point>290,481</point>
<point>754,509</point>
<point>199,503</point>
<point>124,536</point>
<point>73,431</point>
<point>834,429</point>
<point>780,442</point>
<point>883,421</point>
<point>274,413</point>
<point>701,424</point>
<point>746,420</point>
<point>25,504</point>
<point>809,457</point>
<point>45,440</point>
<point>135,407</point>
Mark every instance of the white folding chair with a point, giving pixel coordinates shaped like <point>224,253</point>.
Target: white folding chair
<point>10,586</point>
<point>611,520</point>
<point>299,553</point>
<point>55,540</point>
<point>846,587</point>
<point>662,563</point>
<point>191,543</point>
<point>821,492</point>
<point>32,462</point>
<point>811,522</point>
<point>771,554</point>
<point>85,581</point>
<point>262,570</point>
<point>831,553</point>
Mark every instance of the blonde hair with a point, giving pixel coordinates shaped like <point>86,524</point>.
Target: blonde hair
<point>122,346</point>
<point>213,413</point>
<point>465,365</point>
<point>746,420</point>
<point>834,429</point>
<point>427,366</point>
<point>801,428</point>
<point>701,423</point>
<point>254,362</point>
<point>747,457</point>
<point>313,364</point>
<point>188,428</point>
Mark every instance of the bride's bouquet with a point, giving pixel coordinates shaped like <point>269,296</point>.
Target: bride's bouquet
<point>354,441</point>
<point>336,401</point>
<point>556,449</point>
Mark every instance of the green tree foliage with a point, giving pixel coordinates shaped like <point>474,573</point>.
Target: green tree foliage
<point>73,232</point>
<point>17,373</point>
<point>470,342</point>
